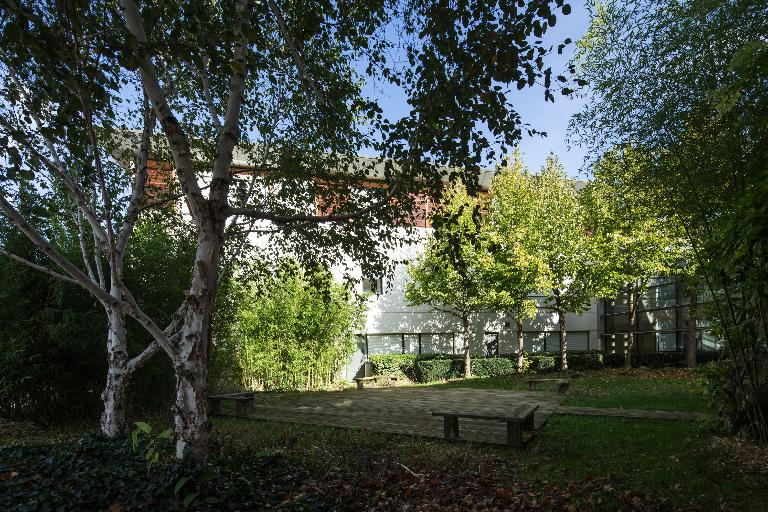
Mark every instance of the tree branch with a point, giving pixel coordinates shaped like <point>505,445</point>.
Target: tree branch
<point>182,156</point>
<point>39,268</point>
<point>230,129</point>
<point>306,76</point>
<point>63,263</point>
<point>202,75</point>
<point>77,193</point>
<point>138,194</point>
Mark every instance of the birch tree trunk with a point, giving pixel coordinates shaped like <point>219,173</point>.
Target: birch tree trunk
<point>691,345</point>
<point>192,427</point>
<point>467,361</point>
<point>632,321</point>
<point>113,416</point>
<point>563,339</point>
<point>520,346</point>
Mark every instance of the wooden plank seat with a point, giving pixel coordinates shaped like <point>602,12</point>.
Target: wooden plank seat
<point>519,420</point>
<point>562,384</point>
<point>243,402</point>
<point>389,379</point>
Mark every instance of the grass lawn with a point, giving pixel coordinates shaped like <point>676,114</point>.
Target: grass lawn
<point>574,463</point>
<point>664,389</point>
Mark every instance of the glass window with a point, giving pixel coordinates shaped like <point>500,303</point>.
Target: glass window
<point>373,285</point>
<point>533,341</point>
<point>411,343</point>
<point>666,342</point>
<point>384,344</point>
<point>491,343</point>
<point>437,343</point>
<point>708,341</point>
<point>553,342</point>
<point>578,341</point>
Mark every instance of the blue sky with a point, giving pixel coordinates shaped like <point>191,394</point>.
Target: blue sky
<point>553,117</point>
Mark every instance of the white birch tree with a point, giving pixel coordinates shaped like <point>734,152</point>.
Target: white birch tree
<point>262,109</point>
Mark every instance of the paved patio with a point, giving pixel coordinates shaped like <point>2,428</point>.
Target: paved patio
<point>404,410</point>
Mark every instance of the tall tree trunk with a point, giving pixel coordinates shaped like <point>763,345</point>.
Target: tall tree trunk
<point>520,345</point>
<point>192,427</point>
<point>113,396</point>
<point>563,339</point>
<point>467,361</point>
<point>632,320</point>
<point>691,345</point>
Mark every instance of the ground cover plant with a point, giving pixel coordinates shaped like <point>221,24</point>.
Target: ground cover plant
<point>574,463</point>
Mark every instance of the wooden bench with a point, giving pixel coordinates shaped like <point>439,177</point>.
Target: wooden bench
<point>518,420</point>
<point>562,384</point>
<point>389,379</point>
<point>242,402</point>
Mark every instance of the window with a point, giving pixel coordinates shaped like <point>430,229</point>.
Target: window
<point>384,344</point>
<point>491,342</point>
<point>373,285</point>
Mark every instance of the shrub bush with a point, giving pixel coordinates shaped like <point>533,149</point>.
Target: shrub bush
<point>591,360</point>
<point>541,362</point>
<point>493,367</point>
<point>402,365</point>
<point>659,359</point>
<point>613,360</point>
<point>429,370</point>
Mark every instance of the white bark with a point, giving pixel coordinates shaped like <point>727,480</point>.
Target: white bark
<point>114,394</point>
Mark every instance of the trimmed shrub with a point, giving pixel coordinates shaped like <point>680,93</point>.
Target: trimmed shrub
<point>613,360</point>
<point>430,370</point>
<point>659,359</point>
<point>401,365</point>
<point>492,367</point>
<point>592,360</point>
<point>541,362</point>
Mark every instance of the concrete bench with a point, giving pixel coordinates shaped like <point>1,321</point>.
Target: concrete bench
<point>389,379</point>
<point>242,402</point>
<point>518,420</point>
<point>562,384</point>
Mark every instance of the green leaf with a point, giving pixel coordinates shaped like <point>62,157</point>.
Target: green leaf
<point>144,427</point>
<point>190,498</point>
<point>180,484</point>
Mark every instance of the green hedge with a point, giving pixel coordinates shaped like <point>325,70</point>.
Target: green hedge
<point>660,359</point>
<point>493,367</point>
<point>401,365</point>
<point>542,362</point>
<point>432,367</point>
<point>430,370</point>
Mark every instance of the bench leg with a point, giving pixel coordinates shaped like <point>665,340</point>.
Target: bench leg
<point>451,427</point>
<point>215,406</point>
<point>562,389</point>
<point>359,384</point>
<point>514,434</point>
<point>531,386</point>
<point>528,424</point>
<point>242,407</point>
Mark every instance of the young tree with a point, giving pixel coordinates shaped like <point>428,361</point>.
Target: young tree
<point>289,77</point>
<point>560,238</point>
<point>635,242</point>
<point>516,269</point>
<point>449,274</point>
